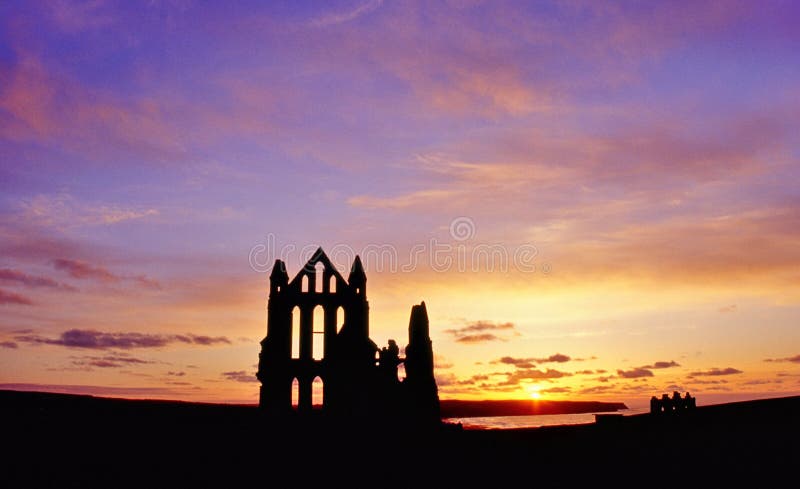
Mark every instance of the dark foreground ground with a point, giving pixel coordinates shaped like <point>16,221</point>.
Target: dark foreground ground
<point>53,440</point>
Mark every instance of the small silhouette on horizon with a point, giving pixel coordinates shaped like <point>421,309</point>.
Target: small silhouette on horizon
<point>359,380</point>
<point>674,405</point>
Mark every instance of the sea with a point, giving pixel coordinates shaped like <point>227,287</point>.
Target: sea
<point>535,421</point>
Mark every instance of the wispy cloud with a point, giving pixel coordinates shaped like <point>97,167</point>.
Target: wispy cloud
<point>417,199</point>
<point>18,277</point>
<point>794,359</point>
<point>532,362</point>
<point>533,374</point>
<point>499,381</point>
<point>82,270</point>
<point>556,390</point>
<point>108,361</point>
<point>44,107</point>
<point>641,372</point>
<point>240,376</point>
<point>478,338</point>
<point>336,18</point>
<point>65,211</point>
<point>475,332</point>
<point>14,299</point>
<point>92,339</point>
<point>597,389</point>
<point>662,364</point>
<point>50,107</point>
<point>85,271</point>
<point>715,372</point>
<point>695,381</point>
<point>636,373</point>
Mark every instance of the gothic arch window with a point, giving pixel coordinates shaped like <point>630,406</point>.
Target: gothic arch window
<point>304,283</point>
<point>318,344</point>
<point>339,318</point>
<point>319,277</point>
<point>296,332</point>
<point>295,393</point>
<point>317,392</point>
<point>332,285</point>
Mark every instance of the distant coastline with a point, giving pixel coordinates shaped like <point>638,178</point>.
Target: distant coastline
<point>453,408</point>
<point>450,408</point>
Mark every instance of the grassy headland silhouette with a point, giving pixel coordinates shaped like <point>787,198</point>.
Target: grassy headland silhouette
<point>63,440</point>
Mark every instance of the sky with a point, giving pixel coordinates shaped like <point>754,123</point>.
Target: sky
<point>596,200</point>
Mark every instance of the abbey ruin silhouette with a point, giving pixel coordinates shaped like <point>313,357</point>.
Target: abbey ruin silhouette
<point>359,380</point>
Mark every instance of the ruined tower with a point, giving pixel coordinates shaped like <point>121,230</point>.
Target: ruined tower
<point>318,328</point>
<point>422,395</point>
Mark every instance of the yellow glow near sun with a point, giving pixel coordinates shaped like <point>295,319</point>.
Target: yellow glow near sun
<point>535,394</point>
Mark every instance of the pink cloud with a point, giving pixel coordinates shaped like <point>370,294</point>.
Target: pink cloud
<point>92,339</point>
<point>83,270</point>
<point>43,107</point>
<point>18,277</point>
<point>10,298</point>
<point>23,240</point>
<point>54,109</point>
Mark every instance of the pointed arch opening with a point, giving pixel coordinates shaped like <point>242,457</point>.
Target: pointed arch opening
<point>332,284</point>
<point>295,393</point>
<point>304,283</point>
<point>319,277</point>
<point>318,344</point>
<point>317,393</point>
<point>339,318</point>
<point>296,332</point>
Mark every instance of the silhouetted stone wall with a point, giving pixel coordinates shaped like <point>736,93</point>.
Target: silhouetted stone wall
<point>359,380</point>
